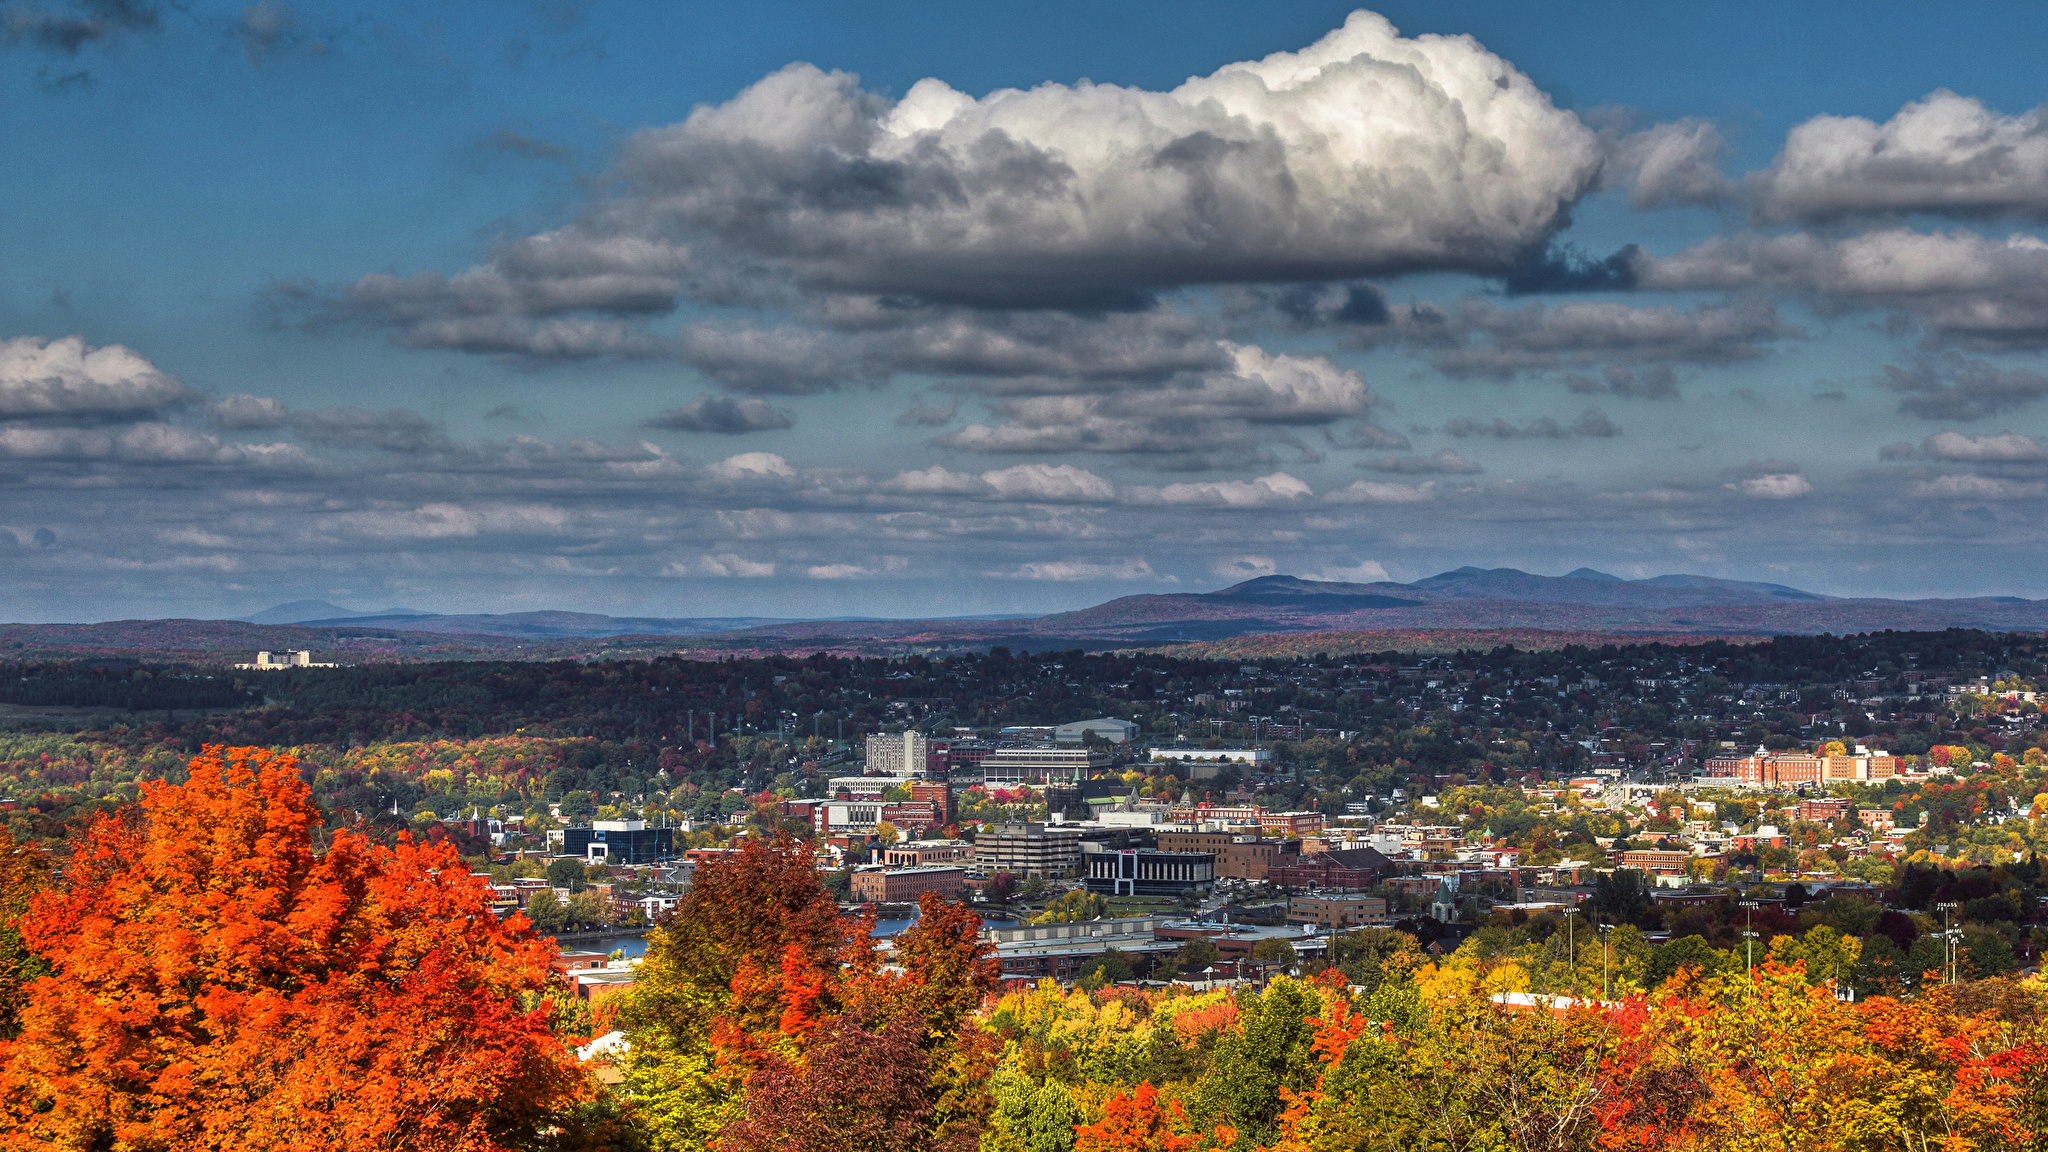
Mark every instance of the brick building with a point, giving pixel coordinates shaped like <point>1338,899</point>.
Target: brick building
<point>906,885</point>
<point>1656,861</point>
<point>1353,869</point>
<point>1337,911</point>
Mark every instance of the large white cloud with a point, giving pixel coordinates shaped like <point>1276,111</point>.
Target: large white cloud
<point>1365,153</point>
<point>64,377</point>
<point>1945,154</point>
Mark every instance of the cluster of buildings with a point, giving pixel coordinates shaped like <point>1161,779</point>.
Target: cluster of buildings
<point>1792,769</point>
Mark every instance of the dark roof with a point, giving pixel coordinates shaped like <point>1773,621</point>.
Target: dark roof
<point>1355,858</point>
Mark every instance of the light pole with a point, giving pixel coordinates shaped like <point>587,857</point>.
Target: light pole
<point>1749,938</point>
<point>1948,939</point>
<point>1606,957</point>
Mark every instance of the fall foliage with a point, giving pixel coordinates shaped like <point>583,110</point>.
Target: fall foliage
<point>215,983</point>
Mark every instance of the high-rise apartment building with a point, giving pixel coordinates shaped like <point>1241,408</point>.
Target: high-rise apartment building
<point>897,754</point>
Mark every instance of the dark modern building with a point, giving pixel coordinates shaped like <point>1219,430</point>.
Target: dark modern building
<point>620,842</point>
<point>1145,872</point>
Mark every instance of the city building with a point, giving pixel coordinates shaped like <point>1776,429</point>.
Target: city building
<point>1823,810</point>
<point>906,885</point>
<point>1028,849</point>
<point>1119,731</point>
<point>277,661</point>
<point>619,842</point>
<point>1354,869</point>
<point>1041,765</point>
<point>1146,872</point>
<point>1335,912</point>
<point>916,853</point>
<point>1765,769</point>
<point>1060,951</point>
<point>900,754</point>
<point>1656,861</point>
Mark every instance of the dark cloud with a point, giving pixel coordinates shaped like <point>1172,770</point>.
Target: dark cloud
<point>727,415</point>
<point>922,417</point>
<point>1591,422</point>
<point>1566,269</point>
<point>1192,421</point>
<point>395,430</point>
<point>1654,382</point>
<point>271,28</point>
<point>519,144</point>
<point>1966,289</point>
<point>1443,461</point>
<point>1956,388</point>
<point>1376,437</point>
<point>71,25</point>
<point>242,410</point>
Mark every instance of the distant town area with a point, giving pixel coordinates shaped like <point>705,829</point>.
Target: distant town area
<point>1179,806</point>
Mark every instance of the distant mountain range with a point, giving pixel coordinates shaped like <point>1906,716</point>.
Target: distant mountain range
<point>1583,603</point>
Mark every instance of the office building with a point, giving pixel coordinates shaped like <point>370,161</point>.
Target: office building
<point>1028,849</point>
<point>1041,765</point>
<point>619,842</point>
<point>1145,872</point>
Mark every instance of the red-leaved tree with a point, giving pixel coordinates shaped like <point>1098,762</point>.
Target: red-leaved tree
<point>218,985</point>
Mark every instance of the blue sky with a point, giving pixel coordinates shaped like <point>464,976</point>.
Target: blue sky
<point>468,307</point>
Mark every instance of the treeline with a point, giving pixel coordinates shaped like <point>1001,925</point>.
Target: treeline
<point>137,689</point>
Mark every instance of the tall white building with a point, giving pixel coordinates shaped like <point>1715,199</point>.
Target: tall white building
<point>900,754</point>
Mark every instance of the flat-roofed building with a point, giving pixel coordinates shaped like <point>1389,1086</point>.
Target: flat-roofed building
<point>1656,861</point>
<point>1145,872</point>
<point>1061,951</point>
<point>620,842</point>
<point>1036,765</point>
<point>1337,911</point>
<point>916,853</point>
<point>906,885</point>
<point>899,754</point>
<point>1028,849</point>
<point>1118,731</point>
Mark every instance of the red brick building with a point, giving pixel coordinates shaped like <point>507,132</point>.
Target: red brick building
<point>906,885</point>
<point>1352,869</point>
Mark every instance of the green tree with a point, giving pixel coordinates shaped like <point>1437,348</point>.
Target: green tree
<point>576,806</point>
<point>1197,954</point>
<point>585,910</point>
<point>1270,1050</point>
<point>1109,968</point>
<point>1274,952</point>
<point>547,913</point>
<point>1071,907</point>
<point>566,872</point>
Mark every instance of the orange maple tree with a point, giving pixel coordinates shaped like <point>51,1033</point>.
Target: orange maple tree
<point>217,984</point>
<point>1137,1123</point>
